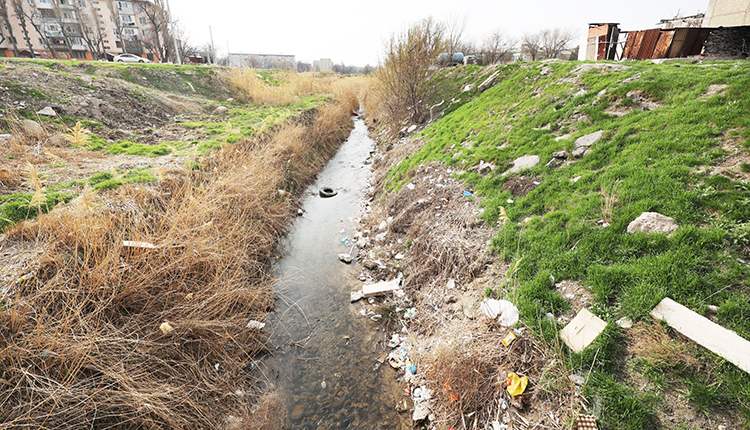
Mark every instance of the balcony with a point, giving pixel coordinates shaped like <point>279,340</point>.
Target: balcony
<point>41,5</point>
<point>133,50</point>
<point>77,47</point>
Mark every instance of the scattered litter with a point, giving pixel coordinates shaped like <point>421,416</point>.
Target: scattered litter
<point>323,385</point>
<point>326,192</point>
<point>451,284</point>
<point>135,244</point>
<point>468,194</point>
<point>705,332</point>
<point>497,426</point>
<point>516,384</point>
<point>255,325</point>
<point>239,393</point>
<point>508,311</point>
<point>399,256</point>
<point>586,422</point>
<point>356,296</point>
<point>345,258</point>
<point>216,366</point>
<point>509,339</point>
<point>383,225</point>
<point>410,186</point>
<point>510,201</point>
<point>166,328</point>
<point>412,368</point>
<point>381,288</point>
<point>577,379</point>
<point>625,322</point>
<point>713,308</point>
<point>580,332</point>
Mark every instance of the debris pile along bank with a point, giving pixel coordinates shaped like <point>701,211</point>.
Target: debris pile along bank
<point>613,141</point>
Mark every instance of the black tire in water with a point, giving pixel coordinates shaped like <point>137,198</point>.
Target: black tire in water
<point>327,192</point>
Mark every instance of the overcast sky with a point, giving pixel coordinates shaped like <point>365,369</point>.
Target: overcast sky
<point>353,31</point>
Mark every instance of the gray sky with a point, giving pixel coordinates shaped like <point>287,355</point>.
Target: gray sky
<point>353,31</point>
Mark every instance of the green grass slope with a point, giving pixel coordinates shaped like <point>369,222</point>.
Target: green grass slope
<point>670,132</point>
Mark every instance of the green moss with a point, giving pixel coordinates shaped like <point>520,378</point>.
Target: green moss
<point>15,207</point>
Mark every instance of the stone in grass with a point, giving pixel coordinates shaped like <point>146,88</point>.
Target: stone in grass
<point>32,128</point>
<point>221,110</point>
<point>525,162</point>
<point>47,111</point>
<point>652,222</point>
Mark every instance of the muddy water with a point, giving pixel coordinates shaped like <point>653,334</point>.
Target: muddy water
<point>326,365</point>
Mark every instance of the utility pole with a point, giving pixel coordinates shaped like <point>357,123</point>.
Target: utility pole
<point>170,26</point>
<point>213,48</point>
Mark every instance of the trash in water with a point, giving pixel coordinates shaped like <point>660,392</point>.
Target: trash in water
<point>508,311</point>
<point>509,339</point>
<point>468,194</point>
<point>516,384</point>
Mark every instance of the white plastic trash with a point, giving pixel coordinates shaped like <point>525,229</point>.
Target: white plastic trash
<point>507,311</point>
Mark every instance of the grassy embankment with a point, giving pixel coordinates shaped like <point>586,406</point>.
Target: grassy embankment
<point>664,160</point>
<point>97,335</point>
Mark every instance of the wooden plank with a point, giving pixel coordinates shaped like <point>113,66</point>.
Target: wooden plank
<point>381,288</point>
<point>705,332</point>
<point>584,328</point>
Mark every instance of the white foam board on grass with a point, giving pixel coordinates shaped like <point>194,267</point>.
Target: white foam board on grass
<point>705,332</point>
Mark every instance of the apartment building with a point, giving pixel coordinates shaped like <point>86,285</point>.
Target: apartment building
<point>81,29</point>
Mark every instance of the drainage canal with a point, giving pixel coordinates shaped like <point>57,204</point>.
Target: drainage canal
<point>325,364</point>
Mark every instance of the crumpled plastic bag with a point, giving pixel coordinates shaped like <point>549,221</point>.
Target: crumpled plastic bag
<point>517,385</point>
<point>508,311</point>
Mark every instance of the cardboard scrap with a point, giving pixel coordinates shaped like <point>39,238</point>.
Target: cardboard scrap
<point>705,332</point>
<point>580,332</point>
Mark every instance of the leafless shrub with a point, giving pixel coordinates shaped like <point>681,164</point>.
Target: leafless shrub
<point>403,78</point>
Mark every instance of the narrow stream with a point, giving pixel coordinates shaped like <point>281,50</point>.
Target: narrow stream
<point>327,368</point>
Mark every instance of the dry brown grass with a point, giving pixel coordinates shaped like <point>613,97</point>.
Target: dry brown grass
<point>80,345</point>
<point>251,87</point>
<point>651,342</point>
<point>469,374</point>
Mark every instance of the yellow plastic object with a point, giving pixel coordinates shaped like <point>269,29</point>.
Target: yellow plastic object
<point>516,384</point>
<point>509,339</point>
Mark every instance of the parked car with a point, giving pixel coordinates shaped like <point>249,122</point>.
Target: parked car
<point>130,58</point>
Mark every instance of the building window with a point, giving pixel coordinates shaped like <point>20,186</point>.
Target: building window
<point>43,1</point>
<point>142,20</point>
<point>11,39</point>
<point>81,3</point>
<point>144,32</point>
<point>79,54</point>
<point>30,2</point>
<point>141,8</point>
<point>118,44</point>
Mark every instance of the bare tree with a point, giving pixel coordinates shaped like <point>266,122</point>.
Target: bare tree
<point>530,45</point>
<point>161,39</point>
<point>22,18</point>
<point>5,18</point>
<point>553,42</point>
<point>498,48</point>
<point>60,13</point>
<point>455,27</point>
<point>26,18</point>
<point>91,30</point>
<point>404,77</point>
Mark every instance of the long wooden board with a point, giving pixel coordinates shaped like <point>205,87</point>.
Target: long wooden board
<point>705,332</point>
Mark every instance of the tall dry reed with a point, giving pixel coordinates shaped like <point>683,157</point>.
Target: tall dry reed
<point>103,335</point>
